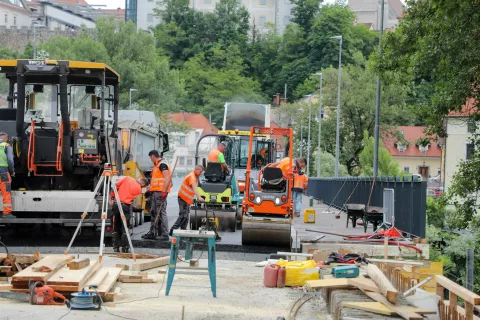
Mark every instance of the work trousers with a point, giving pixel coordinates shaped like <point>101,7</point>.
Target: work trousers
<point>6,189</point>
<point>297,201</point>
<point>117,224</point>
<point>158,208</point>
<point>184,211</point>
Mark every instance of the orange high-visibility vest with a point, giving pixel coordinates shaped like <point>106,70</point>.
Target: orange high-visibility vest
<point>284,165</point>
<point>213,155</point>
<point>186,192</point>
<point>157,182</point>
<point>300,181</point>
<point>128,188</point>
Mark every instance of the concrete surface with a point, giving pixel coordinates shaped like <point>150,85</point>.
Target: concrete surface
<point>240,295</point>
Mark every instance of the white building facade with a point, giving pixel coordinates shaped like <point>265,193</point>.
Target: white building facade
<point>368,12</point>
<point>13,13</point>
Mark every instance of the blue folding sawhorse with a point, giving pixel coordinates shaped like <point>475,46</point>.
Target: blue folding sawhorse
<point>189,237</point>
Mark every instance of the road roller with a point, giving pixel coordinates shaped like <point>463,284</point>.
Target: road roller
<point>219,190</point>
<point>267,210</point>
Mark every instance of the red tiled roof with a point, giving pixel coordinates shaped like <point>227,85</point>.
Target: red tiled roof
<point>398,6</point>
<point>118,13</point>
<point>11,6</point>
<point>467,110</point>
<point>194,120</point>
<point>411,134</point>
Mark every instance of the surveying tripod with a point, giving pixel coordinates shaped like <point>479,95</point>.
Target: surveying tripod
<point>107,182</point>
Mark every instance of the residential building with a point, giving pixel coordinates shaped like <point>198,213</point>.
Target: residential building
<point>184,144</point>
<point>262,12</point>
<point>369,12</point>
<point>14,14</point>
<point>458,146</point>
<point>414,150</point>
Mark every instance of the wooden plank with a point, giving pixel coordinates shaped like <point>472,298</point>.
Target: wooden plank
<point>462,311</point>
<point>386,287</point>
<point>110,280</point>
<point>19,267</point>
<point>5,287</point>
<point>67,277</point>
<point>137,256</point>
<point>143,280</point>
<point>78,264</point>
<point>375,307</point>
<point>98,278</point>
<point>380,308</point>
<point>328,283</point>
<point>399,262</point>
<point>25,259</point>
<point>52,263</point>
<point>400,310</point>
<point>460,291</point>
<point>123,266</point>
<point>160,262</point>
<point>364,284</point>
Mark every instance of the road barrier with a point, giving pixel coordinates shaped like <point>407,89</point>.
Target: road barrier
<point>410,197</point>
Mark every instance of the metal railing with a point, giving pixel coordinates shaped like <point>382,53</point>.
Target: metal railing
<point>410,197</point>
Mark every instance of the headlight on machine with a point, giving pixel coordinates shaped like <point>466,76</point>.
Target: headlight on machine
<point>277,201</point>
<point>258,200</point>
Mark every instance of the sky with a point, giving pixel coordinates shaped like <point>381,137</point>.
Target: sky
<point>114,4</point>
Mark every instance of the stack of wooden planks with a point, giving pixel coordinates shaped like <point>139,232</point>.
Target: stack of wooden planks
<point>377,287</point>
<point>11,264</point>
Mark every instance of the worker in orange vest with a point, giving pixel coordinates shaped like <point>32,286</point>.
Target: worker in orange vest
<point>284,165</point>
<point>216,155</point>
<point>159,190</point>
<point>187,191</point>
<point>127,188</point>
<point>300,184</point>
<point>7,171</point>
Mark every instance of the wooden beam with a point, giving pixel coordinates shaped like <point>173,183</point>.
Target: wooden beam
<point>50,264</point>
<point>364,284</point>
<point>380,308</point>
<point>110,280</point>
<point>78,264</point>
<point>123,266</point>
<point>460,291</point>
<point>129,280</point>
<point>400,310</point>
<point>6,287</point>
<point>98,278</point>
<point>160,262</point>
<point>386,287</point>
<point>400,262</point>
<point>67,277</point>
<point>328,283</point>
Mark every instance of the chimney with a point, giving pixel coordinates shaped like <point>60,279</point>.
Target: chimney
<point>276,99</point>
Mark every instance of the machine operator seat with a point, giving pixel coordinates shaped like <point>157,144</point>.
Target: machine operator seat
<point>214,172</point>
<point>272,179</point>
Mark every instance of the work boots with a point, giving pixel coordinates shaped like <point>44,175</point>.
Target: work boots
<point>149,236</point>
<point>116,241</point>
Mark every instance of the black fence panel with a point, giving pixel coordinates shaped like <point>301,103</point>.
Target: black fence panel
<point>410,197</point>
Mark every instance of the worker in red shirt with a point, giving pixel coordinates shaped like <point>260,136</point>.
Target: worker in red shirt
<point>127,188</point>
<point>188,190</point>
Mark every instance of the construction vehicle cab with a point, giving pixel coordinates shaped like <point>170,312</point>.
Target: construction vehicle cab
<point>62,119</point>
<point>218,188</point>
<point>267,204</point>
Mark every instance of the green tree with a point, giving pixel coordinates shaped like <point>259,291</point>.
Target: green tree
<point>304,13</point>
<point>327,166</point>
<point>215,77</point>
<point>6,54</point>
<point>386,165</point>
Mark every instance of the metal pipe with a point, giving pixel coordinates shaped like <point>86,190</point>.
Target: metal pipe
<point>308,140</point>
<point>319,128</point>
<point>377,102</point>
<point>301,140</point>
<point>337,138</point>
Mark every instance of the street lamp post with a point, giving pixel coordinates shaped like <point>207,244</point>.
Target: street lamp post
<point>131,90</point>
<point>337,138</point>
<point>35,26</point>
<point>319,124</point>
<point>309,126</point>
<point>301,140</point>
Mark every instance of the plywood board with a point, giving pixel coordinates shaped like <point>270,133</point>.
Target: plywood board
<point>67,277</point>
<point>110,280</point>
<point>160,262</point>
<point>98,278</point>
<point>54,263</point>
<point>380,308</point>
<point>364,284</point>
<point>328,283</point>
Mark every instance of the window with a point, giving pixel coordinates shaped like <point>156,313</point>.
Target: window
<point>181,161</point>
<point>470,150</point>
<point>182,140</point>
<point>149,17</point>
<point>207,1</point>
<point>263,2</point>
<point>6,18</point>
<point>190,162</point>
<point>14,20</point>
<point>406,169</point>
<point>401,148</point>
<point>262,20</point>
<point>471,126</point>
<point>423,149</point>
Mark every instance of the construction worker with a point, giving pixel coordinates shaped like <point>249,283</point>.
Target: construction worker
<point>300,184</point>
<point>7,171</point>
<point>284,165</point>
<point>127,188</point>
<point>216,155</point>
<point>187,191</point>
<point>158,197</point>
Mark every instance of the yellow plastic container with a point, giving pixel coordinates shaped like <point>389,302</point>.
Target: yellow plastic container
<point>309,215</point>
<point>298,272</point>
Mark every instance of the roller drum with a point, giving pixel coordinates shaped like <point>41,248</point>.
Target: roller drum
<point>266,232</point>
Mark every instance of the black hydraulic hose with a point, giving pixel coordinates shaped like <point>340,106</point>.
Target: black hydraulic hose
<point>3,245</point>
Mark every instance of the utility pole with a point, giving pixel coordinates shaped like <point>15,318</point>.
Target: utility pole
<point>308,140</point>
<point>377,103</point>
<point>337,138</point>
<point>301,139</point>
<point>319,125</point>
